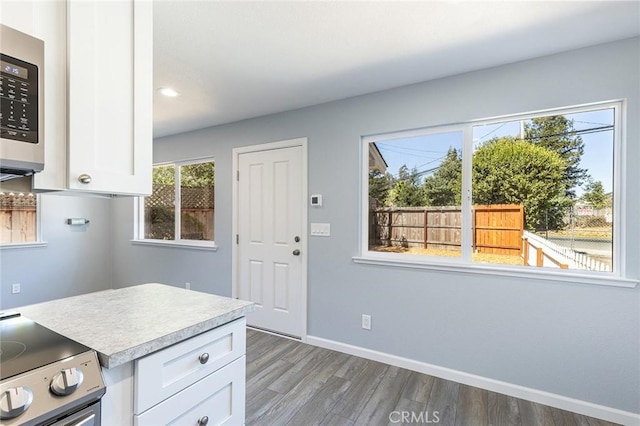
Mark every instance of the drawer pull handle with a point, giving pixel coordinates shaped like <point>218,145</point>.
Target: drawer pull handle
<point>203,360</point>
<point>202,421</point>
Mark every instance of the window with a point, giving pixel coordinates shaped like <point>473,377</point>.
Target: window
<point>535,191</point>
<point>189,185</point>
<point>18,218</point>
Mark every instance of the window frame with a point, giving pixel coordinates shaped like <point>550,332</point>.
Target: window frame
<point>464,264</point>
<point>139,206</point>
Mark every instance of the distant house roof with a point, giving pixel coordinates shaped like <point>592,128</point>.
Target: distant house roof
<point>376,160</point>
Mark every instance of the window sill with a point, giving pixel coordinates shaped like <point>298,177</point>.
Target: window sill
<point>549,275</point>
<point>11,246</point>
<point>193,245</point>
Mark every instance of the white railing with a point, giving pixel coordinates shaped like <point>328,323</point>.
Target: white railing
<point>547,253</point>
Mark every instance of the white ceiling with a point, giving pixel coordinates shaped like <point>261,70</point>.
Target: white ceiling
<point>233,60</point>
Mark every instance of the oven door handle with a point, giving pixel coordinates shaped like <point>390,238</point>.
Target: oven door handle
<point>86,420</point>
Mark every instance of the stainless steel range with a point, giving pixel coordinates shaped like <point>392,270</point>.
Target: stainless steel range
<point>46,378</point>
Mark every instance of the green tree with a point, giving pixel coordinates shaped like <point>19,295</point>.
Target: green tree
<point>404,194</point>
<point>444,186</point>
<point>557,134</point>
<point>594,194</point>
<point>191,175</point>
<point>198,175</point>
<point>164,175</point>
<point>379,186</point>
<point>406,191</point>
<point>512,171</point>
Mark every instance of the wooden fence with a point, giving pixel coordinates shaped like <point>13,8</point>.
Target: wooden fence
<point>497,229</point>
<point>17,218</point>
<point>199,226</point>
<point>197,210</point>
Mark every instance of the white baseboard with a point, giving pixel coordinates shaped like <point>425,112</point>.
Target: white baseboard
<point>570,404</point>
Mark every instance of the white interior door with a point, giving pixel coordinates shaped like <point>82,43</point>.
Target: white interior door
<point>270,257</point>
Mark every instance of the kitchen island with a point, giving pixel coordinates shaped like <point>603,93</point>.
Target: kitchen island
<point>158,346</point>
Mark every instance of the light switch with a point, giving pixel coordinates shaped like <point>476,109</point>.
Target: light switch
<point>321,229</point>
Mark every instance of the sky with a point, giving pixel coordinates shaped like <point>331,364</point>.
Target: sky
<point>427,152</point>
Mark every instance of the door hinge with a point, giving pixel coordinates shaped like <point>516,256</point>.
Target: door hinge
<point>238,175</point>
<point>237,239</point>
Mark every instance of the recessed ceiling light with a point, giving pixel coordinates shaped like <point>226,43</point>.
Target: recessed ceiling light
<point>169,92</point>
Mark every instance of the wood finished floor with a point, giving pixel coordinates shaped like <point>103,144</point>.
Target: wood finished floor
<point>291,383</point>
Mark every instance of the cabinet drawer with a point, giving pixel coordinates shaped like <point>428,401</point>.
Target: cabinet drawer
<point>168,371</point>
<point>219,397</point>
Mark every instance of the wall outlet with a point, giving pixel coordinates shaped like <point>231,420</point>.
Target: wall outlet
<point>366,321</point>
<point>15,288</point>
<point>187,286</point>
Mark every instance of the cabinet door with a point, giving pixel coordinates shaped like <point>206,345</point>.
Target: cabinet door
<point>110,96</point>
<point>219,397</point>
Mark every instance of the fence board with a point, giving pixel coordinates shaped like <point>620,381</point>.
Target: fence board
<point>497,229</point>
<point>18,225</point>
<point>17,217</point>
<point>200,226</point>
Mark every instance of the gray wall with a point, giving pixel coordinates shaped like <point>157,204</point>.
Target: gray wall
<point>135,264</point>
<point>572,339</point>
<point>76,260</point>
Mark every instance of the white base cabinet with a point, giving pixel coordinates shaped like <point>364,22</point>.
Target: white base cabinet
<point>117,402</point>
<point>218,399</point>
<point>195,382</point>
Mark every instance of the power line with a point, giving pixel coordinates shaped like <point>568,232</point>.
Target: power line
<point>387,149</point>
<point>432,161</point>
<point>571,133</point>
<point>494,130</point>
<point>574,132</point>
<point>407,148</point>
<point>402,150</point>
<point>591,122</point>
<point>419,173</point>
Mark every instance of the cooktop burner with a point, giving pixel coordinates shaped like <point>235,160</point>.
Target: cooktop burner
<point>25,345</point>
<point>10,350</point>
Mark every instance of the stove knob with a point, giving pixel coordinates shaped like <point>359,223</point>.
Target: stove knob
<point>66,382</point>
<point>15,401</point>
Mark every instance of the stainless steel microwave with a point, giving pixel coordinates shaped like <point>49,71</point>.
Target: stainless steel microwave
<point>21,104</point>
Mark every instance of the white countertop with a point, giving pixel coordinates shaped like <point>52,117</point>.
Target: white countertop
<point>128,323</point>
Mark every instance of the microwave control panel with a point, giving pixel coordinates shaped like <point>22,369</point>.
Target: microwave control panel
<point>19,100</point>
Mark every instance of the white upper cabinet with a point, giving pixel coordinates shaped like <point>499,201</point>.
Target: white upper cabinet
<point>110,96</point>
<point>98,91</point>
<point>48,22</point>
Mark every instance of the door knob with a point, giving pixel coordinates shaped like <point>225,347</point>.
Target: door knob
<point>296,252</point>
